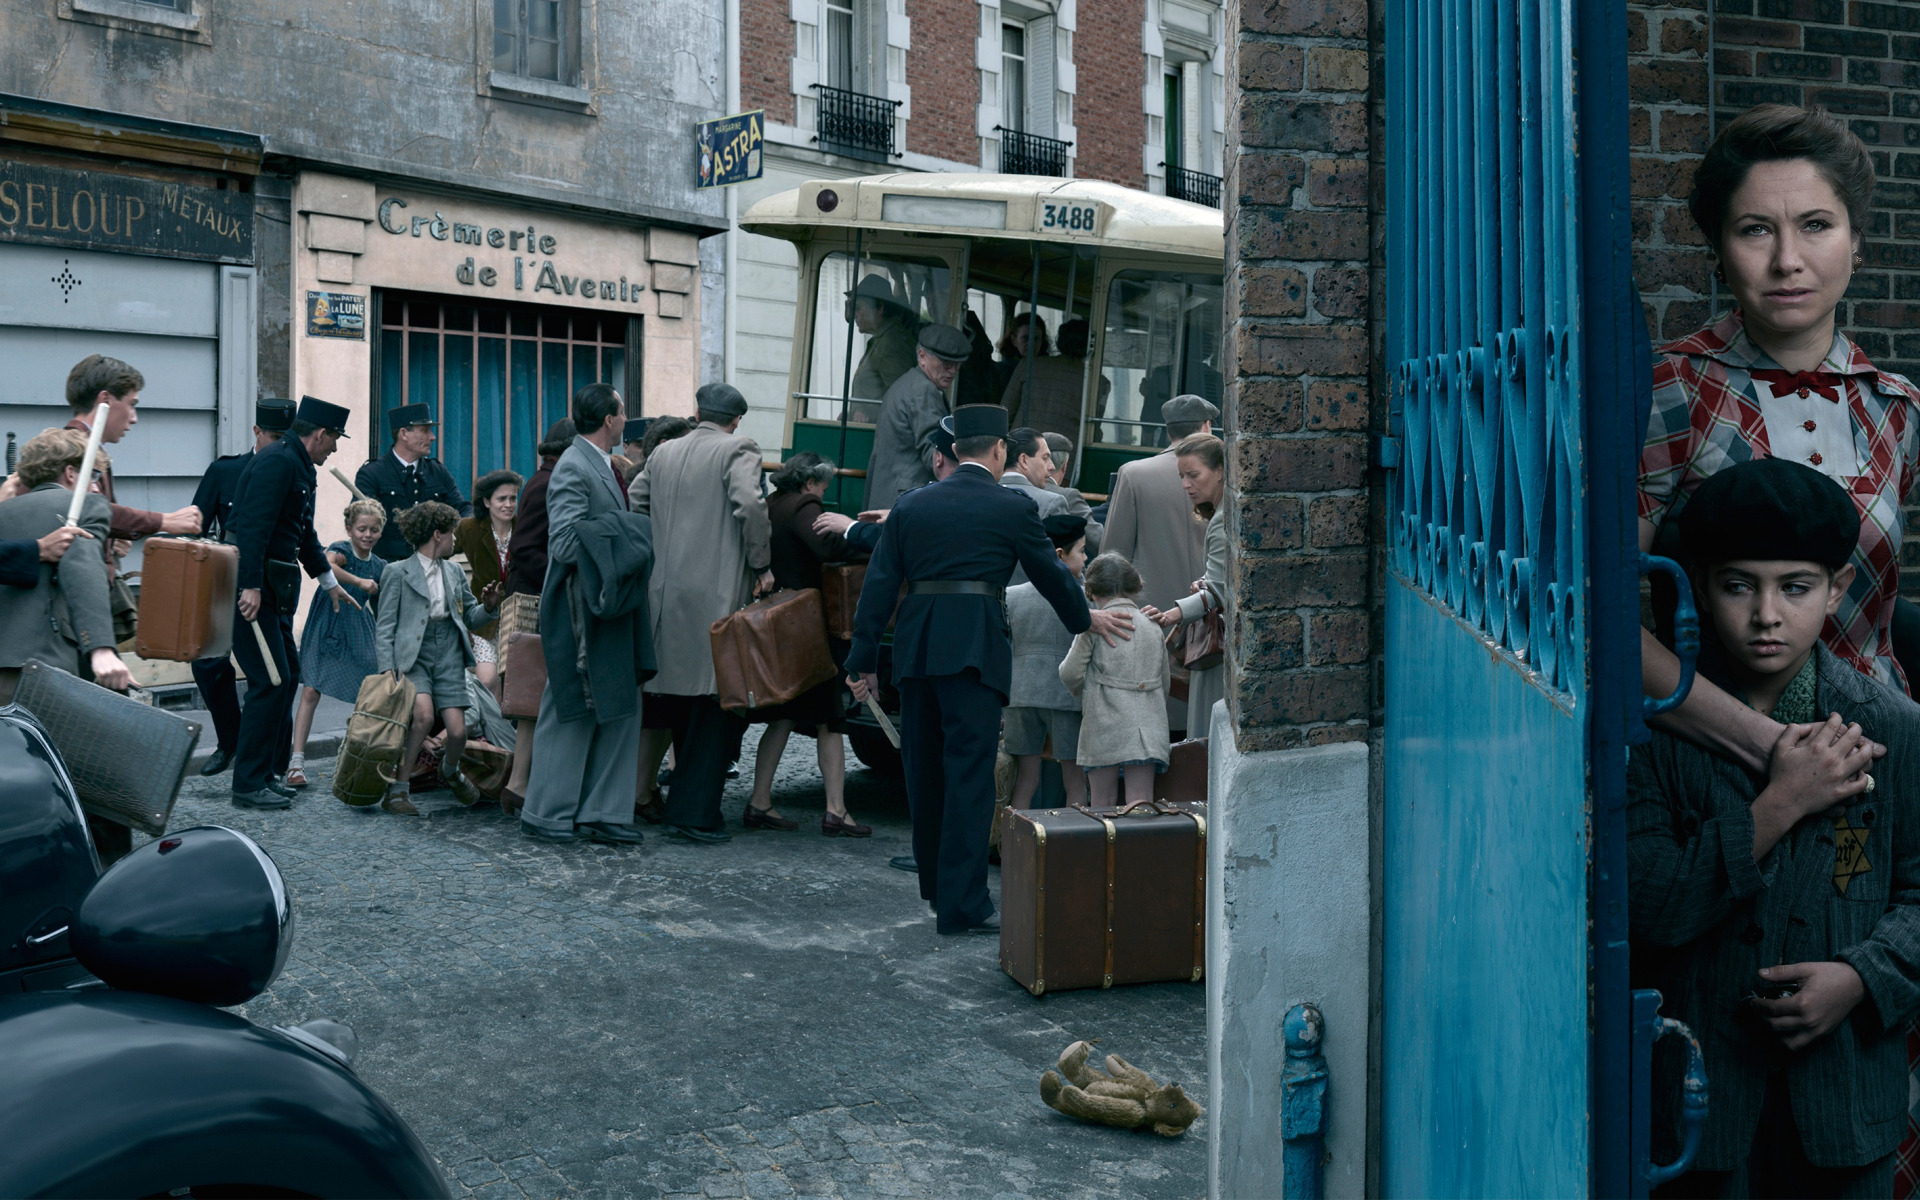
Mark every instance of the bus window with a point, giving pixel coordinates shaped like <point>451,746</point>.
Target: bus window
<point>1162,340</point>
<point>1004,321</point>
<point>885,306</point>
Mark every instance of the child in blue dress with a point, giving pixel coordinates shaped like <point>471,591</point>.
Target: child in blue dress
<point>336,650</point>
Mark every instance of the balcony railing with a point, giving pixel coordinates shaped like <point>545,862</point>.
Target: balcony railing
<point>1197,186</point>
<point>855,124</point>
<point>1030,154</point>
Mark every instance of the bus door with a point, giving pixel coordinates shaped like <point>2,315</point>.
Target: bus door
<point>1512,671</point>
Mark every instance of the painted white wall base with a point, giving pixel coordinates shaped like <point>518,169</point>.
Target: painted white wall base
<point>1288,911</point>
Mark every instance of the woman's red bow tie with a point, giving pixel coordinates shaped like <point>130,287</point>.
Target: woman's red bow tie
<point>1823,383</point>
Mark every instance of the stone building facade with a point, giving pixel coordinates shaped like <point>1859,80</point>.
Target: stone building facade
<point>477,207</point>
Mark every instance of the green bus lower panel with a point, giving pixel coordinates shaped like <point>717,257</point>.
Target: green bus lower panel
<point>823,438</point>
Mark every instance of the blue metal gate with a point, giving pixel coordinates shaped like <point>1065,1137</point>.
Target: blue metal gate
<point>1512,605</point>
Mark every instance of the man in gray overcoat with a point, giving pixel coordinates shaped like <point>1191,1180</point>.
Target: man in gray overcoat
<point>583,787</point>
<point>712,546</point>
<point>902,457</point>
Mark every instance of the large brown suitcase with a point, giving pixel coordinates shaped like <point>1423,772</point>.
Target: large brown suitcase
<point>1185,779</point>
<point>840,585</point>
<point>1093,897</point>
<point>523,676</point>
<point>771,651</point>
<point>126,758</point>
<point>186,599</point>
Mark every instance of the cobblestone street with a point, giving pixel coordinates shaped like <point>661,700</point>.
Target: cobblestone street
<point>773,1017</point>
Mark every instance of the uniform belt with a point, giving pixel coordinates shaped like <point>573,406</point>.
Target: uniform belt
<point>955,587</point>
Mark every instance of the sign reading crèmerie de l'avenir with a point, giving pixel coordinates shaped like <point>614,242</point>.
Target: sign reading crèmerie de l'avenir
<point>533,270</point>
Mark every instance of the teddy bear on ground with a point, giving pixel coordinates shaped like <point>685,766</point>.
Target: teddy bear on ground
<point>1121,1095</point>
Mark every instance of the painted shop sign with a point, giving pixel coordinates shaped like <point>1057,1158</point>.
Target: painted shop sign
<point>337,315</point>
<point>525,262</point>
<point>730,149</point>
<point>99,210</point>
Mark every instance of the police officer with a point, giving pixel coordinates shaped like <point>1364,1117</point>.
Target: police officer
<point>407,475</point>
<point>216,677</point>
<point>271,521</point>
<point>954,544</point>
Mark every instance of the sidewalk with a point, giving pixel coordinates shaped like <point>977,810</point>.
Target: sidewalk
<point>329,727</point>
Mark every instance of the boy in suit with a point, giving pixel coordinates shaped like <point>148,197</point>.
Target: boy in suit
<point>1780,918</point>
<point>421,632</point>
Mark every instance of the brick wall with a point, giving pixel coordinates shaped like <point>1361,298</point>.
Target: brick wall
<point>1299,248</point>
<point>945,82</point>
<point>1111,70</point>
<point>766,58</point>
<point>1667,129</point>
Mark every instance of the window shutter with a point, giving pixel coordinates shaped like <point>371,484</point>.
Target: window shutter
<point>1040,77</point>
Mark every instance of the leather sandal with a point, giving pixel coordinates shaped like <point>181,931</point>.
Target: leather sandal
<point>511,802</point>
<point>296,777</point>
<point>832,826</point>
<point>760,818</point>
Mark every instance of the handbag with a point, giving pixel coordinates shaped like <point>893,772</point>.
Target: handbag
<point>1201,645</point>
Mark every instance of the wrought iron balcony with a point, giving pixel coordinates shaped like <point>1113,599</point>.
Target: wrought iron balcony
<point>1197,186</point>
<point>1030,154</point>
<point>855,124</point>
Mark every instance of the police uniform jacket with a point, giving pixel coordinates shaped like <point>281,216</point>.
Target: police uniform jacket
<point>272,514</point>
<point>966,527</point>
<point>385,479</point>
<point>1705,917</point>
<point>214,496</point>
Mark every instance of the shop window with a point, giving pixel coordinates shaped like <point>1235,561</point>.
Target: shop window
<point>497,374</point>
<point>536,39</point>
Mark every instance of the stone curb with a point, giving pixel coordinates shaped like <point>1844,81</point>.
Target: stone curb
<point>319,745</point>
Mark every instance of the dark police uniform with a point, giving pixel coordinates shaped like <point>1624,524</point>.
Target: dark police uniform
<point>400,486</point>
<point>272,520</point>
<point>216,677</point>
<point>954,545</point>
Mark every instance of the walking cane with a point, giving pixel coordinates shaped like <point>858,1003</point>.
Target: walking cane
<point>84,479</point>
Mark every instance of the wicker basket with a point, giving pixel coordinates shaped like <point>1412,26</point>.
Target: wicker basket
<point>519,613</point>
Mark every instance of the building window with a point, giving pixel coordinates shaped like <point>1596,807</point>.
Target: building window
<point>497,375</point>
<point>534,38</point>
<point>1013,76</point>
<point>839,45</point>
<point>1170,122</point>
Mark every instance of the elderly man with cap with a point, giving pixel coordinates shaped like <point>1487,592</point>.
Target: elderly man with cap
<point>407,475</point>
<point>953,547</point>
<point>902,457</point>
<point>890,330</point>
<point>271,522</point>
<point>1151,523</point>
<point>712,554</point>
<point>215,677</point>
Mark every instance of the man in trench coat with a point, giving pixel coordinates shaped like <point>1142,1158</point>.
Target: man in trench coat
<point>712,554</point>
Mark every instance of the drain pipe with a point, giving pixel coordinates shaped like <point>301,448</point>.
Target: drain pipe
<point>730,298</point>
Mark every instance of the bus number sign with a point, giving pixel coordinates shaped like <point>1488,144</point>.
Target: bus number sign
<point>1056,217</point>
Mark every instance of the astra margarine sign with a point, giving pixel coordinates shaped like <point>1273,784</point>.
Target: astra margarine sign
<point>525,258</point>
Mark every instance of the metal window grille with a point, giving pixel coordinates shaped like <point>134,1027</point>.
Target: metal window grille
<point>1197,186</point>
<point>1031,154</point>
<point>534,38</point>
<point>854,124</point>
<point>496,374</point>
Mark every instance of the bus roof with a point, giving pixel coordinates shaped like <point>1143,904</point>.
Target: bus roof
<point>1013,207</point>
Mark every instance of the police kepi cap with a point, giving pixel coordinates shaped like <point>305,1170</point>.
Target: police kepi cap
<point>979,420</point>
<point>323,415</point>
<point>1770,510</point>
<point>946,342</point>
<point>636,431</point>
<point>1189,410</point>
<point>942,436</point>
<point>273,414</point>
<point>722,398</point>
<point>408,415</point>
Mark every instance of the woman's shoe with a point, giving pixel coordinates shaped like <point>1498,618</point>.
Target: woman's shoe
<point>760,818</point>
<point>653,810</point>
<point>511,802</point>
<point>398,804</point>
<point>296,777</point>
<point>832,826</point>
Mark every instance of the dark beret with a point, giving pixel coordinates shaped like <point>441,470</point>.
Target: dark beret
<point>1064,529</point>
<point>722,398</point>
<point>1770,510</point>
<point>945,342</point>
<point>979,420</point>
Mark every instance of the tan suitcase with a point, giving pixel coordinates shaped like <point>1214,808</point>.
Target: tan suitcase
<point>840,585</point>
<point>771,651</point>
<point>186,599</point>
<point>523,676</point>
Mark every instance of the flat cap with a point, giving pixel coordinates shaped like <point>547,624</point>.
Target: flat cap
<point>1189,409</point>
<point>1770,510</point>
<point>979,420</point>
<point>325,415</point>
<point>942,436</point>
<point>946,343</point>
<point>1064,529</point>
<point>722,398</point>
<point>273,414</point>
<point>408,415</point>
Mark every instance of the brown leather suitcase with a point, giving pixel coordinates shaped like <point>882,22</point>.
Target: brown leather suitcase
<point>186,599</point>
<point>1094,897</point>
<point>771,651</point>
<point>523,676</point>
<point>840,585</point>
<point>1185,779</point>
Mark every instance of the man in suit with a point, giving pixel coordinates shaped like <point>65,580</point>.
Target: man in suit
<point>1030,469</point>
<point>714,554</point>
<point>271,522</point>
<point>1077,506</point>
<point>587,748</point>
<point>902,457</point>
<point>1151,523</point>
<point>406,475</point>
<point>215,677</point>
<point>953,546</point>
<point>96,380</point>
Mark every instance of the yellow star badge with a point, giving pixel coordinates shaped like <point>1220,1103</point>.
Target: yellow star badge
<point>1849,854</point>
